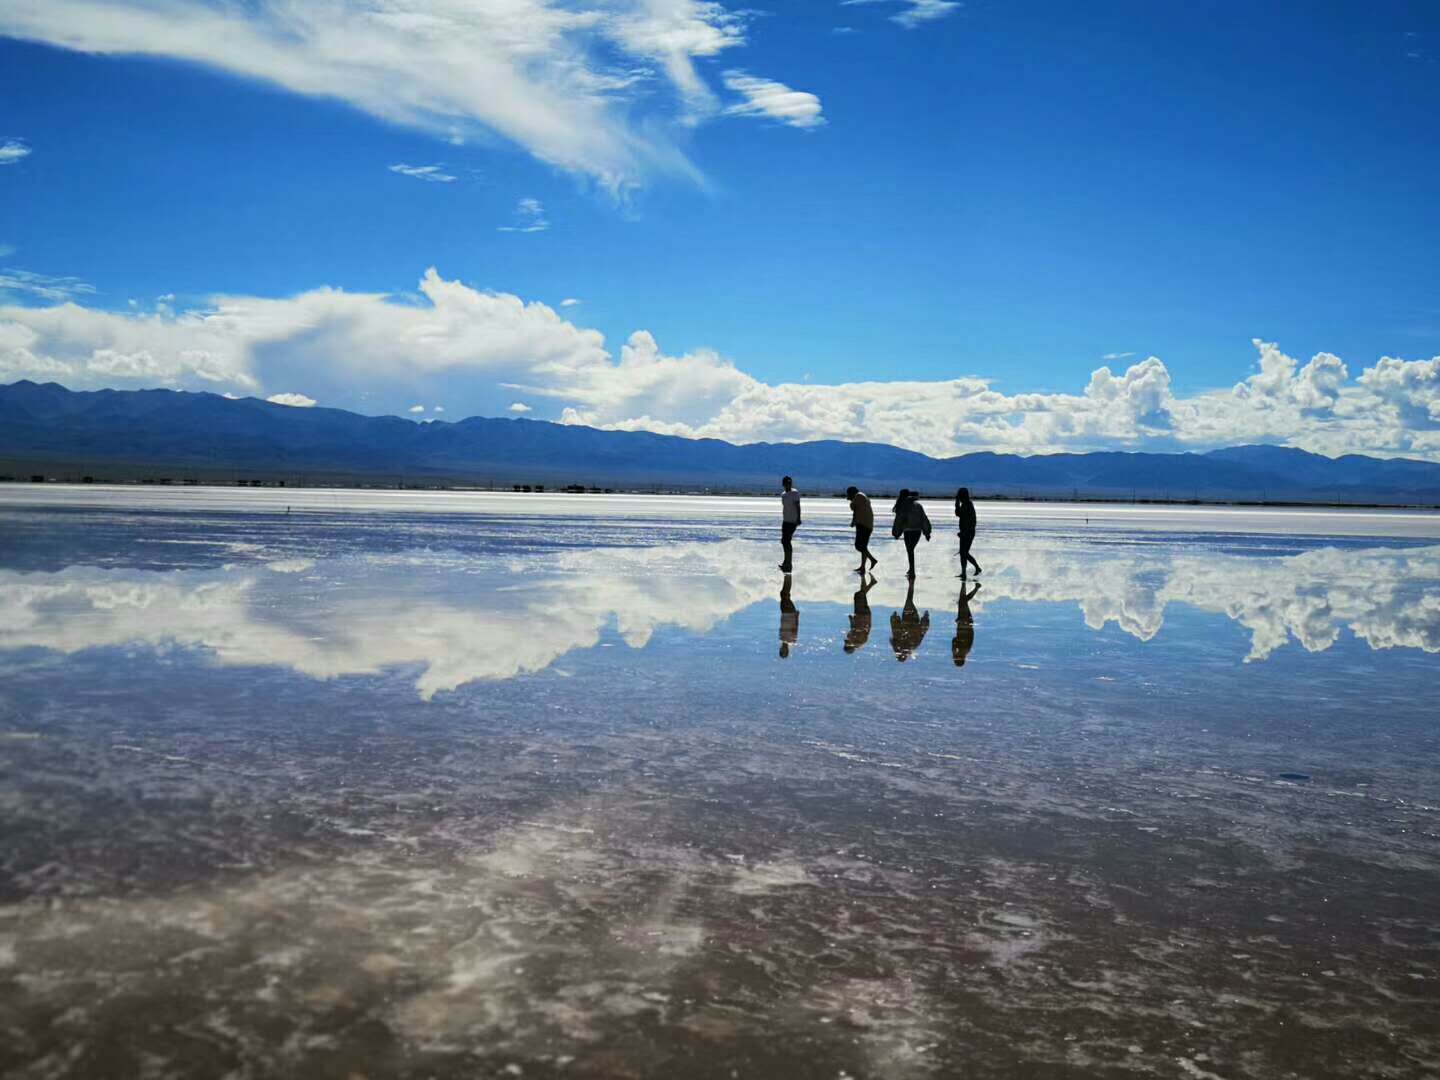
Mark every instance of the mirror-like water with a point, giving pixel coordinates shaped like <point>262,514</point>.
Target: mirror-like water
<point>379,792</point>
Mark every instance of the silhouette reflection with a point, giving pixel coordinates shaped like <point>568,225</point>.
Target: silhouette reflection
<point>964,639</point>
<point>451,620</point>
<point>908,627</point>
<point>860,620</point>
<point>789,620</point>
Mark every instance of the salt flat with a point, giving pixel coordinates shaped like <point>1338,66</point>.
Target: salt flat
<point>427,784</point>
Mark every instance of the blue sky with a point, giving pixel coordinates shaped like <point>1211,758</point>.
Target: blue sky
<point>977,206</point>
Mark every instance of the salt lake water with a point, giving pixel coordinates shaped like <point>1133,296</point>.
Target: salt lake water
<point>311,783</point>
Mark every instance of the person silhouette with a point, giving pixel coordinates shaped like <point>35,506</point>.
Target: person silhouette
<point>908,627</point>
<point>789,620</point>
<point>860,622</point>
<point>862,520</point>
<point>911,522</point>
<point>965,511</point>
<point>789,518</point>
<point>964,626</point>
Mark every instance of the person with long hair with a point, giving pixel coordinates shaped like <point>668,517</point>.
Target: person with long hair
<point>911,522</point>
<point>965,511</point>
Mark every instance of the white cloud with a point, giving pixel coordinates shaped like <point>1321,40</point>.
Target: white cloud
<point>765,97</point>
<point>437,408</point>
<point>485,352</point>
<point>923,11</point>
<point>434,173</point>
<point>416,409</point>
<point>519,407</point>
<point>569,301</point>
<point>1117,356</point>
<point>529,217</point>
<point>916,12</point>
<point>13,151</point>
<point>587,87</point>
<point>299,401</point>
<point>42,286</point>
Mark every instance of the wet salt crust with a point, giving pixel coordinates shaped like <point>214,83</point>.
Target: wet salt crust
<point>518,791</point>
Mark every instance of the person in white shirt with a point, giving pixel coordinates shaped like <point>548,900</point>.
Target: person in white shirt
<point>789,517</point>
<point>862,520</point>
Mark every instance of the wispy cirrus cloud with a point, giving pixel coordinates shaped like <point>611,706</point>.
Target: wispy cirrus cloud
<point>915,13</point>
<point>529,218</point>
<point>436,174</point>
<point>46,287</point>
<point>592,87</point>
<point>765,97</point>
<point>13,151</point>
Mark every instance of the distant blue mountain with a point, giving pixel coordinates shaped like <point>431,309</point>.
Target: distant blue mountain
<point>117,434</point>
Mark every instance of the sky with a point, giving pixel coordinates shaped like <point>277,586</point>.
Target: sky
<point>1027,227</point>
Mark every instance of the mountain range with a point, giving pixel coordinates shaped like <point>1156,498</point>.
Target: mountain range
<point>48,430</point>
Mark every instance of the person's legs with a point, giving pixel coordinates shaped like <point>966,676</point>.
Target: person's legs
<point>911,539</point>
<point>966,559</point>
<point>787,530</point>
<point>862,545</point>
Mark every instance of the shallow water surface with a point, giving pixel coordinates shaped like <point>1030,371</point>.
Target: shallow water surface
<point>541,789</point>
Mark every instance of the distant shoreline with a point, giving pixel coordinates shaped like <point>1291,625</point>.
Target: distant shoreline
<point>272,489</point>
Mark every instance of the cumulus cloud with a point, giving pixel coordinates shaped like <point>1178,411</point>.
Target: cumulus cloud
<point>489,352</point>
<point>299,401</point>
<point>569,301</point>
<point>587,87</point>
<point>13,151</point>
<point>433,173</point>
<point>765,97</point>
<point>416,409</point>
<point>529,217</point>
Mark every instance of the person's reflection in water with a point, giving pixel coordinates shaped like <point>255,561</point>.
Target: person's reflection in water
<point>860,622</point>
<point>964,626</point>
<point>908,627</point>
<point>789,620</point>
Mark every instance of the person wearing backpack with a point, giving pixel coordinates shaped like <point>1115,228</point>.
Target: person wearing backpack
<point>911,522</point>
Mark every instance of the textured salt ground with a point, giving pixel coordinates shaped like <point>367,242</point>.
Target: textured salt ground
<point>659,850</point>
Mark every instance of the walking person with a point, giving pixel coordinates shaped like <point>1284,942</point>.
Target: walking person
<point>965,511</point>
<point>789,518</point>
<point>862,520</point>
<point>911,522</point>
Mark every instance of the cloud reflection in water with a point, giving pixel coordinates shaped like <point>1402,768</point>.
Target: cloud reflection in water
<point>460,622</point>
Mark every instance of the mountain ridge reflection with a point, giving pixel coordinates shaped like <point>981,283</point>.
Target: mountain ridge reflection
<point>465,621</point>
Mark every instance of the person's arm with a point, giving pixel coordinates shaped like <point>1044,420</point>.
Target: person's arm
<point>797,509</point>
